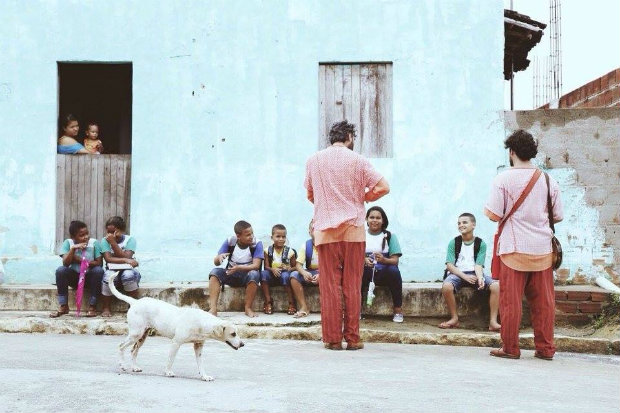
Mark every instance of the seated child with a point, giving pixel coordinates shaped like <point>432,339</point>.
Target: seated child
<point>279,260</point>
<point>91,141</point>
<point>118,248</point>
<point>464,268</point>
<point>242,270</point>
<point>67,275</point>
<point>381,263</point>
<point>308,257</point>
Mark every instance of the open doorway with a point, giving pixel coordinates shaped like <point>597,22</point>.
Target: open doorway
<point>93,188</point>
<point>99,92</point>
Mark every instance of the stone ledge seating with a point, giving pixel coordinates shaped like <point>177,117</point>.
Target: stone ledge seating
<point>419,299</point>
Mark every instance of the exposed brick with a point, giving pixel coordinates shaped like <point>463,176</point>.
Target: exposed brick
<point>615,94</point>
<point>573,319</point>
<point>578,295</point>
<point>596,296</point>
<point>589,307</point>
<point>593,87</point>
<point>560,295</point>
<point>566,306</point>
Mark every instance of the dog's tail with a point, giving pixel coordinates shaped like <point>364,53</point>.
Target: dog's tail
<point>117,294</point>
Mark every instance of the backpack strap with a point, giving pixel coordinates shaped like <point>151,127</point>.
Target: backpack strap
<point>285,251</point>
<point>309,251</point>
<point>477,244</point>
<point>458,243</point>
<point>270,254</point>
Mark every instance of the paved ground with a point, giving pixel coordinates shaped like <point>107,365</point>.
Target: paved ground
<point>78,373</point>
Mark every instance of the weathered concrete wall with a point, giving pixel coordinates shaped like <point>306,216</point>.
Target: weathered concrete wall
<point>225,113</point>
<point>581,149</point>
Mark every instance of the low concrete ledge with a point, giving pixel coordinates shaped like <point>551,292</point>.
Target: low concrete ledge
<point>419,299</point>
<point>414,330</point>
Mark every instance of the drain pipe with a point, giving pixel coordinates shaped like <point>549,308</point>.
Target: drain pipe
<point>606,284</point>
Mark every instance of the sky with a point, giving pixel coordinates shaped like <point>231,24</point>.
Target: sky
<point>590,44</point>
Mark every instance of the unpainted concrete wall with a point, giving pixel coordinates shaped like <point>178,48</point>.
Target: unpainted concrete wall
<point>581,149</point>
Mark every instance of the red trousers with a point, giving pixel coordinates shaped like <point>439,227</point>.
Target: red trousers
<point>539,292</point>
<point>341,265</point>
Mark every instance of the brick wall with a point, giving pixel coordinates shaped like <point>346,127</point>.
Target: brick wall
<point>580,148</point>
<point>601,92</point>
<point>579,304</point>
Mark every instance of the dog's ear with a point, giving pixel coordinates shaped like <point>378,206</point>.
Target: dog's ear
<point>218,330</point>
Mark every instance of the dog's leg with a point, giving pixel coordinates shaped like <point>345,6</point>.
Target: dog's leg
<point>131,339</point>
<point>199,361</point>
<point>171,356</point>
<point>135,349</point>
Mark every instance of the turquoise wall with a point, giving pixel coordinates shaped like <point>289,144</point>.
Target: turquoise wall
<point>225,113</point>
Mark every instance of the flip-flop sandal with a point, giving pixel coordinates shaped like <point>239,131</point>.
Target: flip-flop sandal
<point>268,307</point>
<point>495,329</point>
<point>446,325</point>
<point>58,313</point>
<point>91,313</point>
<point>291,310</point>
<point>300,314</point>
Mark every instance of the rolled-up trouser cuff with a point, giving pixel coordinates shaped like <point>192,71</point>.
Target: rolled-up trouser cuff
<point>63,299</point>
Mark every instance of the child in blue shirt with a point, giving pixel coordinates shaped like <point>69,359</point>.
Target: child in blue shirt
<point>119,248</point>
<point>244,255</point>
<point>67,275</point>
<point>306,273</point>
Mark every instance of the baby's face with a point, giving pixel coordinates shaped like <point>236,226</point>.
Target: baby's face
<point>92,132</point>
<point>279,238</point>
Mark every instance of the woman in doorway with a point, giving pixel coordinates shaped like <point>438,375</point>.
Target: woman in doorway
<point>67,144</point>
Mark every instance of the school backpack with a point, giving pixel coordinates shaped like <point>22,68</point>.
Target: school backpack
<point>232,243</point>
<point>285,252</point>
<point>458,243</point>
<point>309,251</point>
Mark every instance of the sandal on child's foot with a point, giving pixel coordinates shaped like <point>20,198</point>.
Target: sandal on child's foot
<point>62,310</point>
<point>268,307</point>
<point>92,311</point>
<point>291,309</point>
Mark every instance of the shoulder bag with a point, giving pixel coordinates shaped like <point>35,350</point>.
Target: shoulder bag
<point>495,260</point>
<point>555,244</point>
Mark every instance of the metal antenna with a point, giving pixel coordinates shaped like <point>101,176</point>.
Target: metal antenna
<point>555,50</point>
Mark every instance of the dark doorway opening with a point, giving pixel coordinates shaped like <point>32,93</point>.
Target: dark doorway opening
<point>99,92</point>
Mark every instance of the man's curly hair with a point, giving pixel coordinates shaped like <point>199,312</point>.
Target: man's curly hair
<point>523,145</point>
<point>339,131</point>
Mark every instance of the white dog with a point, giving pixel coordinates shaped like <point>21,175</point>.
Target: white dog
<point>181,324</point>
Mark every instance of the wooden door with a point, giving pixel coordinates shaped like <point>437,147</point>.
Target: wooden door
<point>91,188</point>
<point>362,94</point>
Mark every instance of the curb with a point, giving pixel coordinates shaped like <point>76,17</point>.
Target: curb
<point>311,331</point>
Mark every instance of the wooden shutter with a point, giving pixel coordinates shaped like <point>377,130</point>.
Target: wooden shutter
<point>362,94</point>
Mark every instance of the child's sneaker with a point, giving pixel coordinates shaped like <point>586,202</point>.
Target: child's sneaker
<point>398,318</point>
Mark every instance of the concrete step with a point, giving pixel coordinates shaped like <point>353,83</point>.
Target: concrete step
<point>414,330</point>
<point>419,299</point>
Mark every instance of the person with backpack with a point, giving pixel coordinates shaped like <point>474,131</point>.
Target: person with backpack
<point>306,274</point>
<point>243,269</point>
<point>381,261</point>
<point>465,268</point>
<point>279,261</point>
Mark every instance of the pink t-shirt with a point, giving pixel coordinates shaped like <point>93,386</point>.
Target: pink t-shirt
<point>527,230</point>
<point>338,178</point>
